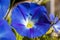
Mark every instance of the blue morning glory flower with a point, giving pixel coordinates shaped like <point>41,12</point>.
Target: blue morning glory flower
<point>30,19</point>
<point>57,27</point>
<point>53,18</point>
<point>5,31</point>
<point>56,23</point>
<point>4,5</point>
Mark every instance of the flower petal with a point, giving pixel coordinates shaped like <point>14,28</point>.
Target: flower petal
<point>52,17</point>
<point>5,31</point>
<point>57,26</point>
<point>4,5</point>
<point>56,19</point>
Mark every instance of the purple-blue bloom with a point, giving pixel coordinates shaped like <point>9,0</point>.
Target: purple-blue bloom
<point>5,31</point>
<point>30,19</point>
<point>57,27</point>
<point>56,23</point>
<point>4,5</point>
<point>52,17</point>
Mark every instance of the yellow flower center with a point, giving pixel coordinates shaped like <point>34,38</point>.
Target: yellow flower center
<point>30,24</point>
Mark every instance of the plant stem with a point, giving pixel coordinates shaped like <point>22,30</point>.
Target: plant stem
<point>8,11</point>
